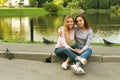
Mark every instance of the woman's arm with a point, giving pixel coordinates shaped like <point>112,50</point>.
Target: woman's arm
<point>62,40</point>
<point>87,45</point>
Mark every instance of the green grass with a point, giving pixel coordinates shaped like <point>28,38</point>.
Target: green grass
<point>40,42</point>
<point>64,11</point>
<point>29,12</point>
<point>23,12</point>
<point>102,44</point>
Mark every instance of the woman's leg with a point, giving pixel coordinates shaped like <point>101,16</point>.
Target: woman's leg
<point>86,54</point>
<point>70,54</point>
<point>60,52</point>
<point>78,67</point>
<point>65,64</point>
<point>67,52</point>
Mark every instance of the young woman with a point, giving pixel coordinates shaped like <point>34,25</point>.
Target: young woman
<point>83,34</point>
<point>65,40</point>
<point>83,37</point>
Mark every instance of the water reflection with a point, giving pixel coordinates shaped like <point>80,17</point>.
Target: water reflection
<point>15,28</point>
<point>19,28</point>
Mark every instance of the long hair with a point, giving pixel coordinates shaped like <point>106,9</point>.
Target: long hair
<point>67,30</point>
<point>86,25</point>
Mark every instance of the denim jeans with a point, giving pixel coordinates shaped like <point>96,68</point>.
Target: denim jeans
<point>65,52</point>
<point>86,54</point>
<point>73,56</point>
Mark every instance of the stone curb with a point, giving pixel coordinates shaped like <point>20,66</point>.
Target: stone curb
<point>40,56</point>
<point>111,58</point>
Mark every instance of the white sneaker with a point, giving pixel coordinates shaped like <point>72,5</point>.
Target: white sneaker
<point>80,70</point>
<point>74,68</point>
<point>64,65</point>
<point>83,61</point>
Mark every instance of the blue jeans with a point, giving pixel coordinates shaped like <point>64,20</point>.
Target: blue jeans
<point>86,54</point>
<point>64,52</point>
<point>73,56</point>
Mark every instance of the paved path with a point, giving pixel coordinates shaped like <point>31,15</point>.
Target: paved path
<point>18,69</point>
<point>105,64</point>
<point>40,51</point>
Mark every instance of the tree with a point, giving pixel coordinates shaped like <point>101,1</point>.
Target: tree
<point>2,2</point>
<point>41,2</point>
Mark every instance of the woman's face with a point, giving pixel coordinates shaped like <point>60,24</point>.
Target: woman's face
<point>70,23</point>
<point>80,22</point>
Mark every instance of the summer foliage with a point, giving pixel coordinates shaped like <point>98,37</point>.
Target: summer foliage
<point>2,2</point>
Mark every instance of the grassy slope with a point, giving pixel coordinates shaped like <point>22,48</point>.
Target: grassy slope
<point>22,12</point>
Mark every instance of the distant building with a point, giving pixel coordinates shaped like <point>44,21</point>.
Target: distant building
<point>17,3</point>
<point>26,3</point>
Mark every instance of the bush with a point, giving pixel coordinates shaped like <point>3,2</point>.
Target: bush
<point>114,8</point>
<point>104,4</point>
<point>51,7</point>
<point>73,5</point>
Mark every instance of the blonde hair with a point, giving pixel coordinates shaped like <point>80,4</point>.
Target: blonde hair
<point>67,30</point>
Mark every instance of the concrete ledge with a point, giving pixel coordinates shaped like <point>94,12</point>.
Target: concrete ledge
<point>27,55</point>
<point>111,58</point>
<point>97,58</point>
<point>40,56</point>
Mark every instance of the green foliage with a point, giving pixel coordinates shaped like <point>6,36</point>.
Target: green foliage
<point>73,4</point>
<point>51,7</point>
<point>113,8</point>
<point>104,4</point>
<point>87,4</point>
<point>2,1</point>
<point>41,2</point>
<point>32,3</point>
<point>114,2</point>
<point>64,11</point>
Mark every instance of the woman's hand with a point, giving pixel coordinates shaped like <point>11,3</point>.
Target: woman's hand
<point>78,51</point>
<point>60,31</point>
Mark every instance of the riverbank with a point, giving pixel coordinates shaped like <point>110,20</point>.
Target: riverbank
<point>41,11</point>
<point>23,12</point>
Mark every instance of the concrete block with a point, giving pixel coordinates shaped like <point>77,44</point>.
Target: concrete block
<point>111,58</point>
<point>96,58</point>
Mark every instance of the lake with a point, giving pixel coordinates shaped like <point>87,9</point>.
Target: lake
<point>105,26</point>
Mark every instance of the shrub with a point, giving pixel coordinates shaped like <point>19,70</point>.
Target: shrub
<point>73,4</point>
<point>51,7</point>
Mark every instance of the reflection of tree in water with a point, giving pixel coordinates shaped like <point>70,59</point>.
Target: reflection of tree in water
<point>48,24</point>
<point>18,36</point>
<point>1,33</point>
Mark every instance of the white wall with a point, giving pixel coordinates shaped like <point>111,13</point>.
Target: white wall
<point>15,2</point>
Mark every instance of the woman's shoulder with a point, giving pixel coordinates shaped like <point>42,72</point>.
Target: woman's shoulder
<point>90,30</point>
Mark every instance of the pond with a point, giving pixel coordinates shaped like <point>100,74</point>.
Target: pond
<point>17,29</point>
